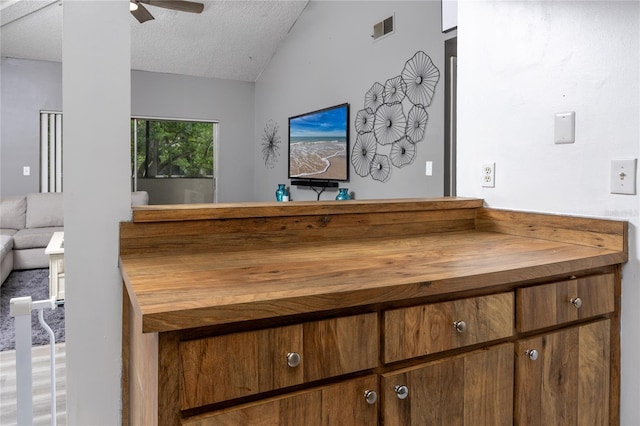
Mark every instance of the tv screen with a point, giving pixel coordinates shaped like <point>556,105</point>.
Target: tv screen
<point>319,144</point>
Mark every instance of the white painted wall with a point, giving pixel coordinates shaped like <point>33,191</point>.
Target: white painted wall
<point>519,64</point>
<point>96,97</point>
<point>330,58</point>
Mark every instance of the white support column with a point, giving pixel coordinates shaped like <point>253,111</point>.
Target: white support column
<point>96,88</point>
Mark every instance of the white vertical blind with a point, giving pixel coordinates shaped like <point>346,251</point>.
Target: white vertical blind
<point>58,152</point>
<point>44,152</point>
<point>50,152</point>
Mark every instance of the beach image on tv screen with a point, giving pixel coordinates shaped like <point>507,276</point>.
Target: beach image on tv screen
<point>318,145</point>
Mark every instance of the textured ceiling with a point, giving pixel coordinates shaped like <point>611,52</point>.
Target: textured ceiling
<point>229,39</point>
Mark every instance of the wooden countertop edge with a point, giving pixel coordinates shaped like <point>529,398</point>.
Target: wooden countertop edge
<point>208,316</point>
<point>135,305</point>
<point>609,234</point>
<point>183,212</point>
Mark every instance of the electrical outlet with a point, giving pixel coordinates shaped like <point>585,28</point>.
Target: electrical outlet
<point>489,175</point>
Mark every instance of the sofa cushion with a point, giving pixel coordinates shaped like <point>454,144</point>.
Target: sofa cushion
<point>45,210</point>
<point>139,198</point>
<point>13,211</point>
<point>6,244</point>
<point>6,231</point>
<point>34,237</point>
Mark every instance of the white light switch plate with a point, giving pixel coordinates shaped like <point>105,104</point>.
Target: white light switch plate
<point>623,176</point>
<point>428,169</point>
<point>565,127</point>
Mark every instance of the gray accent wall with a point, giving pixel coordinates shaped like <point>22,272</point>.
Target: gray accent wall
<point>29,87</point>
<point>227,101</point>
<point>330,58</point>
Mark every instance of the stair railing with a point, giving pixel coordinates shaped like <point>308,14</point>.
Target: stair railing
<point>20,309</point>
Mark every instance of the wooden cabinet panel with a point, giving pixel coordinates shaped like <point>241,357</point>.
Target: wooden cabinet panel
<point>470,389</point>
<point>240,364</point>
<point>253,362</point>
<point>568,381</point>
<point>341,345</point>
<point>426,329</point>
<point>339,404</point>
<point>551,304</point>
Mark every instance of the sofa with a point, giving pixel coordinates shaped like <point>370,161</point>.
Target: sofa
<point>27,223</point>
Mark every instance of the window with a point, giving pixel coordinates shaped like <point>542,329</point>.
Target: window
<point>173,160</point>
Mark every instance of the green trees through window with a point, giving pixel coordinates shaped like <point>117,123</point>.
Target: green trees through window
<point>172,149</point>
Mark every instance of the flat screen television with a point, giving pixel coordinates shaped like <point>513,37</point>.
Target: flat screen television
<point>319,145</point>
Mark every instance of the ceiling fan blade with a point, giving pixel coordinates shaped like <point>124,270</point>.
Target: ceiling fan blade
<point>181,5</point>
<point>142,14</point>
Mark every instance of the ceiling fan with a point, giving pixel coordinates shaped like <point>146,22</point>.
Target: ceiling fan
<point>143,15</point>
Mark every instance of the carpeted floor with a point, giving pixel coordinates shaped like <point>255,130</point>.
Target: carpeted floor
<point>34,283</point>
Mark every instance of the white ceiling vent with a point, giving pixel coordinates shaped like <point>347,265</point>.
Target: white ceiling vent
<point>383,28</point>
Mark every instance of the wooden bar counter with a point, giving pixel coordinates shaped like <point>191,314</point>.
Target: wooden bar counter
<point>394,312</point>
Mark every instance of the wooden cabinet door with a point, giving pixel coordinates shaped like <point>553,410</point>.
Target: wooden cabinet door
<point>469,389</point>
<point>341,404</point>
<point>566,382</point>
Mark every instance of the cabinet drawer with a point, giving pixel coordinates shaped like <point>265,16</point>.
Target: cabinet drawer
<point>565,301</point>
<point>235,365</point>
<point>339,404</point>
<point>426,329</point>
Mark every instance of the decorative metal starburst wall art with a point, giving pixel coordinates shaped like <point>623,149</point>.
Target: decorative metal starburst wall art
<point>363,152</point>
<point>270,144</point>
<point>421,77</point>
<point>364,121</point>
<point>395,90</point>
<point>416,123</point>
<point>382,124</point>
<point>403,152</point>
<point>380,168</point>
<point>389,124</point>
<point>374,97</point>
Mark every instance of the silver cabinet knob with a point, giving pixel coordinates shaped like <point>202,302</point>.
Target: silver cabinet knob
<point>460,326</point>
<point>577,302</point>
<point>370,396</point>
<point>532,354</point>
<point>293,359</point>
<point>401,391</point>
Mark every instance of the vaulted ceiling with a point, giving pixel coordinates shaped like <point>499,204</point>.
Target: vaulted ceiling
<point>230,39</point>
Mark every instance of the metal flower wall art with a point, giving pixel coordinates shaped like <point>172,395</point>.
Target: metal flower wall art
<point>387,134</point>
<point>270,144</point>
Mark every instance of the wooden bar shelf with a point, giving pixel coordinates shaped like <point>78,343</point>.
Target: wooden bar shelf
<point>219,298</point>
